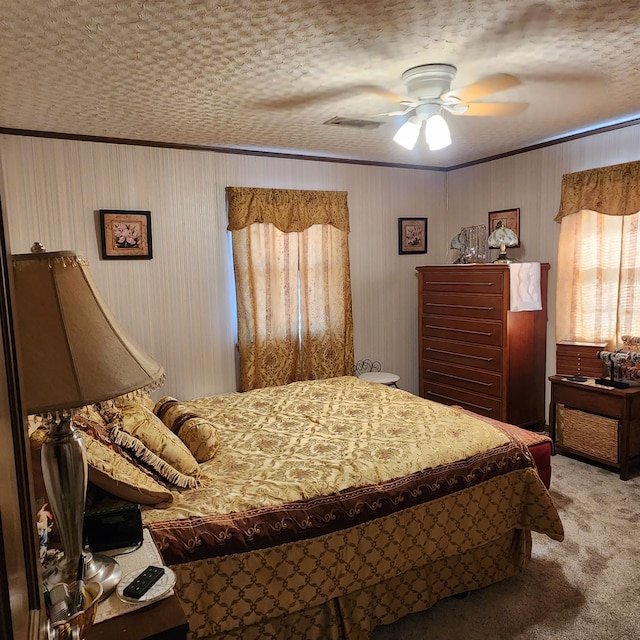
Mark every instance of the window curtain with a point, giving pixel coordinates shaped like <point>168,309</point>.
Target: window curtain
<point>293,288</point>
<point>598,255</point>
<point>613,190</point>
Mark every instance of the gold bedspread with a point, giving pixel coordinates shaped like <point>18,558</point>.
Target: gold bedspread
<point>307,439</point>
<point>337,505</point>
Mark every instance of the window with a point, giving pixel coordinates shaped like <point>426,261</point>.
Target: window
<point>291,265</point>
<point>598,268</point>
<point>598,294</point>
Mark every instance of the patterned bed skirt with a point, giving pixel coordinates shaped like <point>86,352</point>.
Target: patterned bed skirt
<point>343,584</point>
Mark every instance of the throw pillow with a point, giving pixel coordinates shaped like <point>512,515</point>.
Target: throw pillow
<point>109,467</point>
<point>142,433</point>
<point>200,436</point>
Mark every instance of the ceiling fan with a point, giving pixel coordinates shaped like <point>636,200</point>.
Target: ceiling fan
<point>430,95</point>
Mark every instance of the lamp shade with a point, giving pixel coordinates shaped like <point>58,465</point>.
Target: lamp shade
<point>407,134</point>
<point>73,351</point>
<point>436,132</point>
<point>502,236</point>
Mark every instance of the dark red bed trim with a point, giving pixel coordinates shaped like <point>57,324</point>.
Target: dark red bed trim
<point>196,538</point>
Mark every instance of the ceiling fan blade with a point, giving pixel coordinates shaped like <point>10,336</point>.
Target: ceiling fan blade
<point>305,99</point>
<point>329,94</point>
<point>393,113</point>
<point>490,109</point>
<point>389,95</point>
<point>484,87</point>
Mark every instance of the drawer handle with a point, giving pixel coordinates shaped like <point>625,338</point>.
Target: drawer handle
<point>460,284</point>
<point>475,333</point>
<point>464,355</point>
<point>459,306</point>
<point>446,375</point>
<point>457,400</point>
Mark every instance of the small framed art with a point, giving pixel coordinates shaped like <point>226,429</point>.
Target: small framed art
<point>509,218</point>
<point>125,234</point>
<point>412,235</point>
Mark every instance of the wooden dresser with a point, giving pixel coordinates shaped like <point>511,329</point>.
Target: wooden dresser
<point>474,351</point>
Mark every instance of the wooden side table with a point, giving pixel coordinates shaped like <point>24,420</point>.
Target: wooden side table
<point>162,620</point>
<point>621,405</point>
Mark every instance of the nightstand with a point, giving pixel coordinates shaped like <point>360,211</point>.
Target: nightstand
<point>604,425</point>
<point>162,620</point>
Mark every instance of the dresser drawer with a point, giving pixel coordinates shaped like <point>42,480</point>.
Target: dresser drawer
<point>457,328</point>
<point>483,405</point>
<point>461,353</point>
<point>474,305</point>
<point>461,280</point>
<point>453,375</point>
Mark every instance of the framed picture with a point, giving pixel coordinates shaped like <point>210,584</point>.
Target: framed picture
<point>509,218</point>
<point>125,234</point>
<point>412,235</point>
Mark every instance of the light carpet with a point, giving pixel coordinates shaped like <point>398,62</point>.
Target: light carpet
<point>585,588</point>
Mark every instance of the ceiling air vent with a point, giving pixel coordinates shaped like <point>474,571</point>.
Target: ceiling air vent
<point>356,123</point>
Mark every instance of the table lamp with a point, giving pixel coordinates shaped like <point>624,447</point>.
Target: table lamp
<point>73,352</point>
<point>501,238</point>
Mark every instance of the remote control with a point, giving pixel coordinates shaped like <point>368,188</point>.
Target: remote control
<point>142,583</point>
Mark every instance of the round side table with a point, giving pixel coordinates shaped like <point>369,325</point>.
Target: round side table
<point>383,377</point>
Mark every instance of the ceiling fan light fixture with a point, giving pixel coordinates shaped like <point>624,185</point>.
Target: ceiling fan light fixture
<point>436,132</point>
<point>407,134</point>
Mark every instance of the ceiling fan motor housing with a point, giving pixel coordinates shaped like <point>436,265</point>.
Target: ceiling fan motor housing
<point>429,80</point>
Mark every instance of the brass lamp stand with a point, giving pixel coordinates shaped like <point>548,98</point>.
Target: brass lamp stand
<point>502,255</point>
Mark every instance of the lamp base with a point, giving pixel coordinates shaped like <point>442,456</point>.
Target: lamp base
<point>99,568</point>
<point>503,260</point>
<point>103,569</point>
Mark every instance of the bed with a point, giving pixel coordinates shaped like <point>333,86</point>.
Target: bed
<point>330,507</point>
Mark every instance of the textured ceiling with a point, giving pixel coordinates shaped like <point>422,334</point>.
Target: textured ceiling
<point>265,74</point>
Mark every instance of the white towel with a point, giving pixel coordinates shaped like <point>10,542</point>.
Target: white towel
<point>524,287</point>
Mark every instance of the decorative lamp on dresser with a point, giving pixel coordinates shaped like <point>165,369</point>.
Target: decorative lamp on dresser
<point>480,345</point>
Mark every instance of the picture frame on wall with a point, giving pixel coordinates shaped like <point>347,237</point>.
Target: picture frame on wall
<point>412,235</point>
<point>509,218</point>
<point>125,235</point>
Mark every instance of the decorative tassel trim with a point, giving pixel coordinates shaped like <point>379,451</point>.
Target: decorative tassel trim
<point>155,384</point>
<point>141,452</point>
<point>64,259</point>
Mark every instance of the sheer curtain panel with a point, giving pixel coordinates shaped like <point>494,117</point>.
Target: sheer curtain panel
<point>293,289</point>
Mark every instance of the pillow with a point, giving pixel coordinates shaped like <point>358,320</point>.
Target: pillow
<point>110,468</point>
<point>135,397</point>
<point>200,436</point>
<point>141,432</point>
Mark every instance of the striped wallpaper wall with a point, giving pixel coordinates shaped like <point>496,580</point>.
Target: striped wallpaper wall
<point>179,306</point>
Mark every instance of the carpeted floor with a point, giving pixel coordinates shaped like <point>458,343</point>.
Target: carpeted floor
<point>585,588</point>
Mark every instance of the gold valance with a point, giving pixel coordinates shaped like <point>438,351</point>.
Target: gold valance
<point>613,190</point>
<point>288,209</point>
